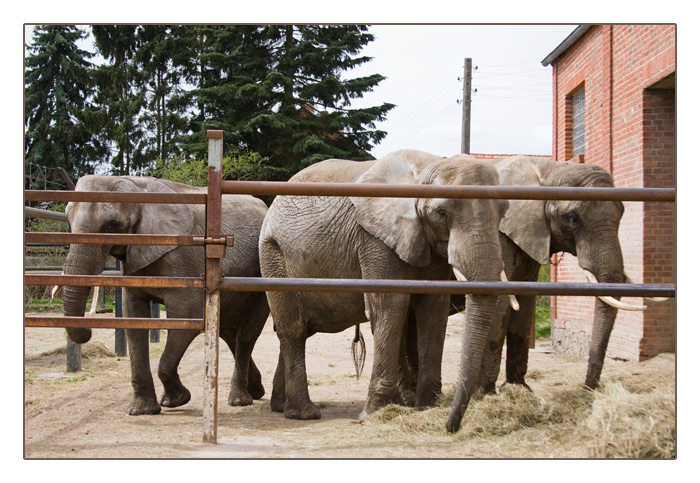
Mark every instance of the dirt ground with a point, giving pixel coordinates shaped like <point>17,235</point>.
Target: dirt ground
<point>82,415</point>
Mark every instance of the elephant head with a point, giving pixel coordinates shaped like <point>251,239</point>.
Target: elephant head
<point>464,232</point>
<point>586,229</point>
<point>102,217</point>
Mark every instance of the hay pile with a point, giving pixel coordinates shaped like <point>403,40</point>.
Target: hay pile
<point>632,415</point>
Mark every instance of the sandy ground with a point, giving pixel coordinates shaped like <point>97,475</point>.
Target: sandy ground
<point>82,415</point>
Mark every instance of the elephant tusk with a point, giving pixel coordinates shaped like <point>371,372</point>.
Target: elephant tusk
<point>611,301</point>
<point>628,279</point>
<point>511,298</point>
<point>460,276</point>
<point>55,289</point>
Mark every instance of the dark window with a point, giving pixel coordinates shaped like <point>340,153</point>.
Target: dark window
<point>579,122</point>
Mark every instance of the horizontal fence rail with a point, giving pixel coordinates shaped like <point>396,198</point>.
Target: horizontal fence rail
<point>252,284</point>
<point>115,197</point>
<point>112,323</point>
<point>122,239</point>
<point>430,191</point>
<point>119,281</point>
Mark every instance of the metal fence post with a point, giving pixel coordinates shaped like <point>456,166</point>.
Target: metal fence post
<point>154,334</point>
<point>212,281</point>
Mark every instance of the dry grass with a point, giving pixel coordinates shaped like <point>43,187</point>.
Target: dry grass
<point>632,415</point>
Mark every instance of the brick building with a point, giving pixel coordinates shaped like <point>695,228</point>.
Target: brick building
<point>614,106</point>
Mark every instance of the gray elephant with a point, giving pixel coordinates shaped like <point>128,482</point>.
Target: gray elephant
<point>531,231</point>
<point>381,238</point>
<point>243,314</point>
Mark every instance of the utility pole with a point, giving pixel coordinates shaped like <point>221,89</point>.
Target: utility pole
<point>467,106</point>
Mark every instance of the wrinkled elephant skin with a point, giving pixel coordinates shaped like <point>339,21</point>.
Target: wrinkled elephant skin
<point>243,314</point>
<point>380,238</point>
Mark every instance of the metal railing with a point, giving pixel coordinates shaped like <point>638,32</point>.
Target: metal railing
<point>212,282</point>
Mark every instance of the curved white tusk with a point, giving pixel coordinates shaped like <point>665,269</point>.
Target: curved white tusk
<point>54,291</point>
<point>628,279</point>
<point>511,298</point>
<point>611,301</point>
<point>460,276</point>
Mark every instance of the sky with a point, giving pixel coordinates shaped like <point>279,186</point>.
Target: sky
<point>424,67</point>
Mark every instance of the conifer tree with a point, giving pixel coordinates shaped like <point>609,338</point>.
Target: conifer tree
<point>312,104</point>
<point>118,96</point>
<point>277,90</point>
<point>58,114</point>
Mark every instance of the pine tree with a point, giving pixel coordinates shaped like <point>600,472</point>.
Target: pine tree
<point>59,116</point>
<point>277,90</point>
<point>308,116</point>
<point>164,62</point>
<point>118,96</point>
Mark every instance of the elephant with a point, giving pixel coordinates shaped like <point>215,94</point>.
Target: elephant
<point>243,314</point>
<point>532,231</point>
<point>381,238</point>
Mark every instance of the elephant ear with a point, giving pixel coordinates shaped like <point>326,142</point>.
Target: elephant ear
<point>525,222</point>
<point>157,219</point>
<point>395,220</point>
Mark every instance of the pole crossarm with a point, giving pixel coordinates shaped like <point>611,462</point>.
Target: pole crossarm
<point>429,191</point>
<point>253,284</point>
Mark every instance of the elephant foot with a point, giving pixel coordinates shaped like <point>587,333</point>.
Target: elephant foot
<point>256,390</point>
<point>306,412</point>
<point>426,403</point>
<point>175,399</point>
<point>140,406</point>
<point>239,398</point>
<point>519,383</point>
<point>488,389</point>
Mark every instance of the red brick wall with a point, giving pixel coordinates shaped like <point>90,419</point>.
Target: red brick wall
<point>630,131</point>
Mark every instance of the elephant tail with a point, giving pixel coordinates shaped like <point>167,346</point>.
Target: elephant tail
<point>358,356</point>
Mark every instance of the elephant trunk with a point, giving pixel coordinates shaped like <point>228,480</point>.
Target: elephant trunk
<point>483,263</point>
<point>608,267</point>
<point>480,312</point>
<point>81,260</point>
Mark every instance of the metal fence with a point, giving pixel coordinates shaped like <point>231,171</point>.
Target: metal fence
<point>212,282</point>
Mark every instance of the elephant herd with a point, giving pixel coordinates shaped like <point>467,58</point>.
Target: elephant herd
<point>358,238</point>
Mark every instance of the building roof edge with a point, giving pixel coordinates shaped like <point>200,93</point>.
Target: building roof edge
<point>568,42</point>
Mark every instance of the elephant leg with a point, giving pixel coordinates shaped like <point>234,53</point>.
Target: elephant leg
<point>254,387</point>
<point>518,340</point>
<point>144,401</point>
<point>389,313</point>
<point>278,397</point>
<point>408,364</point>
<point>176,394</point>
<point>431,312</point>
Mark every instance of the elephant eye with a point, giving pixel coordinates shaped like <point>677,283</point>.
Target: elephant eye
<point>442,214</point>
<point>111,227</point>
<point>573,219</point>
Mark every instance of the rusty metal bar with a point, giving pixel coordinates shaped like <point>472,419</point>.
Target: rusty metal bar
<point>115,197</point>
<point>112,323</point>
<point>118,239</point>
<point>107,281</point>
<point>252,284</point>
<point>429,191</point>
<point>45,214</point>
<point>212,277</point>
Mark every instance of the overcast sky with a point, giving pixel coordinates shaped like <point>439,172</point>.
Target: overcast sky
<point>424,65</point>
